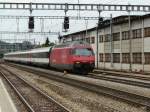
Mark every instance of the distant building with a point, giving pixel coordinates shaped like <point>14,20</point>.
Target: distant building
<point>11,47</point>
<point>117,47</point>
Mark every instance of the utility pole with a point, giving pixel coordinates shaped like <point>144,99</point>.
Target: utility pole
<point>111,41</point>
<point>143,56</point>
<point>79,10</point>
<point>97,39</point>
<point>86,23</point>
<point>130,41</point>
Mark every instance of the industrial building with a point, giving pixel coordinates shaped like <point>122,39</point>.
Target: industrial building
<point>121,43</point>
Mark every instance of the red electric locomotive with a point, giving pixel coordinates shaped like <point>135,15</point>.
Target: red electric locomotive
<point>76,56</point>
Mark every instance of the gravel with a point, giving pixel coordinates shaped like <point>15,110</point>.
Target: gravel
<point>76,99</point>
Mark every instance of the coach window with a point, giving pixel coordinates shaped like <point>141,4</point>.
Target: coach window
<point>19,55</point>
<point>37,55</point>
<point>15,55</point>
<point>42,55</point>
<point>137,57</point>
<point>46,55</point>
<point>23,55</point>
<point>33,55</point>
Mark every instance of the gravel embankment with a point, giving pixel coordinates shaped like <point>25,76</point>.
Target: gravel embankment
<point>76,99</point>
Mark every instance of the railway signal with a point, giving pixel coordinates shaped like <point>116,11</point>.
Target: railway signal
<point>100,22</point>
<point>31,22</point>
<point>66,22</point>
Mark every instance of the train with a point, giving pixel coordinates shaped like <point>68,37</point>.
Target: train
<point>76,56</point>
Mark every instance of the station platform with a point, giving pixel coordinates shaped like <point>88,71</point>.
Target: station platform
<point>6,103</point>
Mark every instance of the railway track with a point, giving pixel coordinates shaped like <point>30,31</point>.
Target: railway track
<point>121,74</point>
<point>34,99</point>
<point>93,87</point>
<point>139,83</point>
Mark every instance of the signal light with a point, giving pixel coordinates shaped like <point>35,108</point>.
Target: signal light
<point>66,26</point>
<point>66,22</point>
<point>100,19</point>
<point>66,19</point>
<point>100,22</point>
<point>31,22</point>
<point>31,18</point>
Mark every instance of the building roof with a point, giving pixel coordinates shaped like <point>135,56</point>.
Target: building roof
<point>116,20</point>
<point>82,31</point>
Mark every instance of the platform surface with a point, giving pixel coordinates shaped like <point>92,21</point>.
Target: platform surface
<point>6,103</point>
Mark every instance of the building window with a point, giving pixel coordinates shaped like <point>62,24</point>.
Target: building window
<point>125,35</point>
<point>137,58</point>
<point>88,39</point>
<point>147,58</point>
<point>92,40</point>
<point>147,32</point>
<point>107,38</point>
<point>101,38</point>
<point>116,57</point>
<point>116,36</point>
<point>136,33</point>
<point>125,57</point>
<point>101,56</point>
<point>107,57</point>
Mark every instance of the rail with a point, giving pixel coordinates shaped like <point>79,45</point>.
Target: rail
<point>35,100</point>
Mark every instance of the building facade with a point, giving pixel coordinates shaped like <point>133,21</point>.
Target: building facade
<point>123,45</point>
<point>11,47</point>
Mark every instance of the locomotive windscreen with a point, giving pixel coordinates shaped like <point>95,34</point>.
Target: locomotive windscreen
<point>83,52</point>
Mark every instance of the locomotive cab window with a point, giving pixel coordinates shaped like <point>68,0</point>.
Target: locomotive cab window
<point>83,52</point>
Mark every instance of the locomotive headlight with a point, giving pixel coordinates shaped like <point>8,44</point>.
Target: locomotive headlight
<point>77,62</point>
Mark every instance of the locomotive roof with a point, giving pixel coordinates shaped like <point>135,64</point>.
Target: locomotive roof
<point>45,49</point>
<point>72,44</point>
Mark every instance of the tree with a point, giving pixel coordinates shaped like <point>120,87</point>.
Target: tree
<point>51,44</point>
<point>47,42</point>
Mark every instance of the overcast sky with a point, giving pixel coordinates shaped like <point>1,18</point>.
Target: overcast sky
<point>56,25</point>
